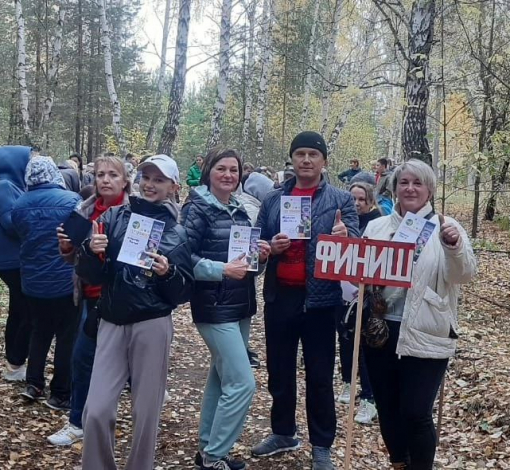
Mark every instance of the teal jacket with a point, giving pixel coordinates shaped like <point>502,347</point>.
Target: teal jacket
<point>194,175</point>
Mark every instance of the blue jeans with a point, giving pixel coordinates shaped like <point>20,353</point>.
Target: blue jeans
<point>83,360</point>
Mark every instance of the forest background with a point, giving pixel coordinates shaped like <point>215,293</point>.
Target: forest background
<point>378,78</point>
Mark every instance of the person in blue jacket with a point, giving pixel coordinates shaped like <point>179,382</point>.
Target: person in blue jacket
<point>13,161</point>
<point>46,279</point>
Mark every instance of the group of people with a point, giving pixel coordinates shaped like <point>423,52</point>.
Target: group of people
<point>112,321</point>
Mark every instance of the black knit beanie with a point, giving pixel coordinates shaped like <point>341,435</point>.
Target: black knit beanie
<point>311,140</point>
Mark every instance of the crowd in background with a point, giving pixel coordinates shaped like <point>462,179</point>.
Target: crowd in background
<point>112,322</point>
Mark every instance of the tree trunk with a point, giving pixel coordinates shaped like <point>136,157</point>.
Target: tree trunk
<point>90,95</point>
<point>420,36</point>
<point>79,83</point>
<point>339,125</point>
<point>266,59</point>
<point>52,77</point>
<point>171,126</point>
<point>22,70</point>
<point>149,141</point>
<point>110,84</point>
<point>219,106</point>
<point>308,76</point>
<point>498,182</point>
<point>330,60</point>
<point>248,105</point>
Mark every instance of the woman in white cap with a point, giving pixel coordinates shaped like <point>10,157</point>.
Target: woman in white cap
<point>135,307</point>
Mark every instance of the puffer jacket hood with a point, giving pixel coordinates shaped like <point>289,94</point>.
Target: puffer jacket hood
<point>13,163</point>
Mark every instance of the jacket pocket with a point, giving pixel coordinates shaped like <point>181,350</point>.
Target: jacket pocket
<point>434,316</point>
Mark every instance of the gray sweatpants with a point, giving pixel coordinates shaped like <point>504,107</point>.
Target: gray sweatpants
<point>139,351</point>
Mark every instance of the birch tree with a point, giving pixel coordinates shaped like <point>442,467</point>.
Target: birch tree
<point>21,69</point>
<point>266,64</point>
<point>171,126</point>
<point>221,97</point>
<point>110,84</point>
<point>149,141</point>
<point>251,10</point>
<point>328,64</point>
<point>308,76</point>
<point>52,76</point>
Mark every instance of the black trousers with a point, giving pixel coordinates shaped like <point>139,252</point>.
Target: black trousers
<point>404,390</point>
<point>286,322</point>
<point>17,329</point>
<point>57,318</point>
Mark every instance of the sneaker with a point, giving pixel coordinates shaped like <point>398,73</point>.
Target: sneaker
<point>345,394</point>
<point>254,359</point>
<point>233,463</point>
<point>274,444</point>
<point>33,393</point>
<point>15,373</point>
<point>166,398</point>
<point>68,435</point>
<point>56,403</point>
<point>366,412</point>
<point>321,458</point>
<point>218,465</point>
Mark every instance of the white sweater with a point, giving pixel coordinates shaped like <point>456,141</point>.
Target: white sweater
<point>431,304</point>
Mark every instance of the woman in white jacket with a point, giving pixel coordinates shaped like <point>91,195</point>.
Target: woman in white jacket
<point>407,370</point>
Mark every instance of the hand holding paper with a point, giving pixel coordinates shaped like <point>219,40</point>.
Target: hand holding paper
<point>264,249</point>
<point>448,232</point>
<point>64,243</point>
<point>279,243</point>
<point>339,229</point>
<point>161,265</point>
<point>237,268</point>
<point>98,241</point>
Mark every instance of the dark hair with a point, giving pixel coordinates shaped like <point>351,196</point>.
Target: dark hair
<point>383,161</point>
<point>355,161</point>
<point>87,191</point>
<point>78,156</point>
<point>213,157</point>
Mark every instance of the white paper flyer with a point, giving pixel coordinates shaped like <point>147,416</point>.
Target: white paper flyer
<point>143,235</point>
<point>414,229</point>
<point>296,217</point>
<point>244,240</point>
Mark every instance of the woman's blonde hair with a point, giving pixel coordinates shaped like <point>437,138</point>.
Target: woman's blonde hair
<point>369,192</point>
<point>420,169</point>
<point>116,163</point>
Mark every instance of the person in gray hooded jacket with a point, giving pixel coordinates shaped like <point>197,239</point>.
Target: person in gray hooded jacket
<point>255,189</point>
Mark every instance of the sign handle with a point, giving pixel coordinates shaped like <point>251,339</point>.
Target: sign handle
<point>354,376</point>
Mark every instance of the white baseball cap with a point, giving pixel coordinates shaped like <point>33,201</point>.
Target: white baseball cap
<point>165,164</point>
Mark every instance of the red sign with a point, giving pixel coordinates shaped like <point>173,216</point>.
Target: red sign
<point>377,262</point>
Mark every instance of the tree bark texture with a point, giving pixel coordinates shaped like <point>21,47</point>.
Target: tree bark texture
<point>249,75</point>
<point>79,84</point>
<point>328,64</point>
<point>52,77</point>
<point>223,75</point>
<point>110,84</point>
<point>420,36</point>
<point>267,59</point>
<point>149,141</point>
<point>21,70</point>
<point>171,126</point>
<point>308,76</point>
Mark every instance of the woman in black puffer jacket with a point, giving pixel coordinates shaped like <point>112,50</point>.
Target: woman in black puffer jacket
<point>136,329</point>
<point>222,304</point>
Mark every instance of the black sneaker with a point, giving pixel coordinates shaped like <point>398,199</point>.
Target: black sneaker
<point>33,393</point>
<point>232,463</point>
<point>56,403</point>
<point>254,359</point>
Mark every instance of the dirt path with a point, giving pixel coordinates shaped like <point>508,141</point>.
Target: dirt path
<point>475,435</point>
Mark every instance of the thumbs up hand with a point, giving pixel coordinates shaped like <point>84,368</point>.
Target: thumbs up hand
<point>339,229</point>
<point>98,241</point>
<point>448,232</point>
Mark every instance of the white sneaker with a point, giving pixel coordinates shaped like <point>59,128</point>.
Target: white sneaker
<point>366,412</point>
<point>15,374</point>
<point>345,394</point>
<point>166,398</point>
<point>68,435</point>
